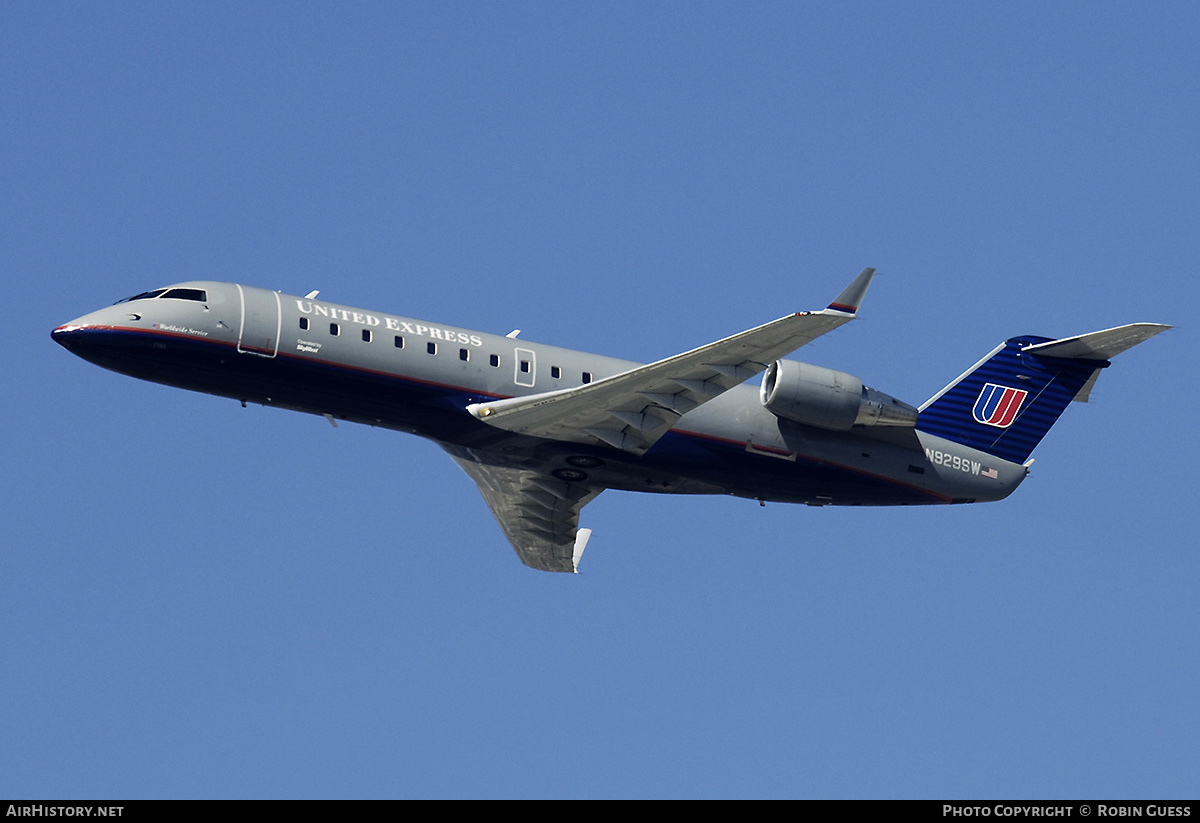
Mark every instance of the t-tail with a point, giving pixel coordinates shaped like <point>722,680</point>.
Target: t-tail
<point>1005,403</point>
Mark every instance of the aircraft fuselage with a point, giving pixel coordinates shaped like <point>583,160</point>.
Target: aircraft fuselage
<point>380,369</point>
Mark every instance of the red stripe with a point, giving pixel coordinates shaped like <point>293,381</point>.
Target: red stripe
<point>1006,412</point>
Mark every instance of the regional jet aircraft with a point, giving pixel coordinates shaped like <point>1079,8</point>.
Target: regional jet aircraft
<point>542,430</point>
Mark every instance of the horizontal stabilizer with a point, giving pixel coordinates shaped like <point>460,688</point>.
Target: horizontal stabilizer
<point>1099,345</point>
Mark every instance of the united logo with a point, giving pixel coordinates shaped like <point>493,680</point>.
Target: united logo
<point>998,405</point>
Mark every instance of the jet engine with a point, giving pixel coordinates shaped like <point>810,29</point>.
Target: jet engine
<point>829,399</point>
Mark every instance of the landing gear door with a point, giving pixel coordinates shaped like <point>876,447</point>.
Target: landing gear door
<point>261,322</point>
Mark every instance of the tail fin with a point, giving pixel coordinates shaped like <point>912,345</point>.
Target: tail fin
<point>1005,403</point>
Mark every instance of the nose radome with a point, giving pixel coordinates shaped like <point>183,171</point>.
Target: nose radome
<point>74,332</point>
<point>68,333</point>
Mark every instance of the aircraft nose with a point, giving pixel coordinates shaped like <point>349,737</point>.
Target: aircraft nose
<point>82,331</point>
<point>105,317</point>
<point>67,334</point>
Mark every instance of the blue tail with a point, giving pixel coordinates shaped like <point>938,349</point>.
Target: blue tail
<point>1005,403</point>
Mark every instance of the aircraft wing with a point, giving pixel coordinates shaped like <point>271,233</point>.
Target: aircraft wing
<point>631,410</point>
<point>539,514</point>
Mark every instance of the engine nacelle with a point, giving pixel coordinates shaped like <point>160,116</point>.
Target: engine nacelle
<point>829,399</point>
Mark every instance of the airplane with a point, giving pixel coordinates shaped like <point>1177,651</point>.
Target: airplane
<point>543,430</point>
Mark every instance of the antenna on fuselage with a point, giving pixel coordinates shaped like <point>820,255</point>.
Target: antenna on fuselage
<point>512,335</point>
<point>312,294</point>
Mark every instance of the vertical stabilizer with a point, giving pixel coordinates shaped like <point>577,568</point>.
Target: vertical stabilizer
<point>1005,403</point>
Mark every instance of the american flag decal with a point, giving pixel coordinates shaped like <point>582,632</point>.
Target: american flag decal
<point>998,405</point>
<point>992,473</point>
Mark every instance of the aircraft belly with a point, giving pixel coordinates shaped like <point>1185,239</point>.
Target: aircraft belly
<point>817,479</point>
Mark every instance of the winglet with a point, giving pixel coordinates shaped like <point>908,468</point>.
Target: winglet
<point>581,541</point>
<point>852,296</point>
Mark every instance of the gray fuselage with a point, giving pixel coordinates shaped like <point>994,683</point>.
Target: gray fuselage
<point>410,375</point>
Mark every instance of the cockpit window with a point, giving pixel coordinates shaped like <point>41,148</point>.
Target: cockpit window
<point>186,294</point>
<point>199,295</point>
<point>146,295</point>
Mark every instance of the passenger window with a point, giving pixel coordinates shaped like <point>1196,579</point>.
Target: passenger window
<point>464,355</point>
<point>304,324</point>
<point>555,372</point>
<point>494,360</point>
<point>398,341</point>
<point>333,329</point>
<point>366,335</point>
<point>431,348</point>
<point>524,367</point>
<point>587,377</point>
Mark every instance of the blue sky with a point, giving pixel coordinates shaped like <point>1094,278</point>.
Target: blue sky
<point>200,600</point>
